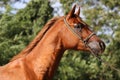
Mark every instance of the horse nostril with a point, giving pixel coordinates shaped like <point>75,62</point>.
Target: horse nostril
<point>102,46</point>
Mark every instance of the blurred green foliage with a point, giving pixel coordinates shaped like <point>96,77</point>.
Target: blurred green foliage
<point>17,30</point>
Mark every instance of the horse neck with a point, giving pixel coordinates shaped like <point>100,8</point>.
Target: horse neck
<point>45,57</point>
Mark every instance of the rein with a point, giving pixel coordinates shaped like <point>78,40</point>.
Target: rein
<point>103,61</point>
<point>85,41</point>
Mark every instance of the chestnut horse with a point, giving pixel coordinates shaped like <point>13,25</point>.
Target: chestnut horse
<point>40,59</point>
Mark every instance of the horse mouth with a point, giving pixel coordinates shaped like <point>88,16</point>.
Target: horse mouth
<point>96,51</point>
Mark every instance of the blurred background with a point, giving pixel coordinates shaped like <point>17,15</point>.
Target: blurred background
<point>21,20</point>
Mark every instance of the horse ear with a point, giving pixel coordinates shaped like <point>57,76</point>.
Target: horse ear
<point>78,12</point>
<point>71,13</point>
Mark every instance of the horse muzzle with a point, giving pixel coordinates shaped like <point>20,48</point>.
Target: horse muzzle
<point>96,47</point>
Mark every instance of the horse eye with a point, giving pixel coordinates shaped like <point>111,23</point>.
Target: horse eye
<point>78,25</point>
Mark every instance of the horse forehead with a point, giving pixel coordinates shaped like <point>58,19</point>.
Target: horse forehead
<point>81,21</point>
<point>78,20</point>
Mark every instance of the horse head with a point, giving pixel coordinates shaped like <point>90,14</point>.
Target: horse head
<point>78,35</point>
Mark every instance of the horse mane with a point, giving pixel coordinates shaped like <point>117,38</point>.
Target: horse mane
<point>40,35</point>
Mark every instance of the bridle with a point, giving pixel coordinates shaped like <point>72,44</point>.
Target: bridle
<point>85,41</point>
